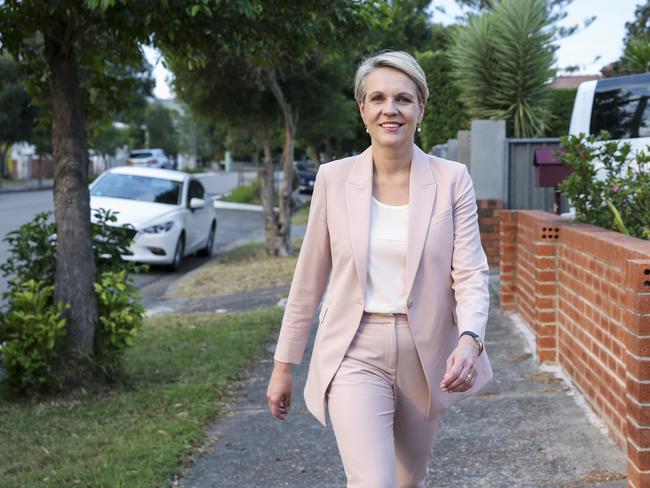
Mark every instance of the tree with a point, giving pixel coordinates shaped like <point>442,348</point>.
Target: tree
<point>561,106</point>
<point>283,35</point>
<point>160,124</point>
<point>445,114</point>
<point>16,110</point>
<point>502,63</point>
<point>636,53</point>
<point>67,42</point>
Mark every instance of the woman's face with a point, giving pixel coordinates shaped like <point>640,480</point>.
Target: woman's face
<point>391,109</point>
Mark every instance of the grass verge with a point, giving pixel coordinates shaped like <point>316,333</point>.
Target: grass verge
<point>179,375</point>
<point>243,269</point>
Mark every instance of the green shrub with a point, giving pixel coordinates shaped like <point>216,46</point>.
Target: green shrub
<point>34,321</point>
<point>245,194</point>
<point>32,253</point>
<point>120,318</point>
<point>609,186</point>
<point>30,336</point>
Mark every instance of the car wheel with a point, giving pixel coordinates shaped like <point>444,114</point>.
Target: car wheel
<point>179,251</point>
<point>206,252</point>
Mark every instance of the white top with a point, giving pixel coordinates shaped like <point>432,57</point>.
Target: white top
<point>386,286</point>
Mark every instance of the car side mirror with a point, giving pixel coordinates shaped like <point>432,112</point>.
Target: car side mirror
<point>197,203</point>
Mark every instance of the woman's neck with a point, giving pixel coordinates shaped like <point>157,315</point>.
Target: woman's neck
<point>390,162</point>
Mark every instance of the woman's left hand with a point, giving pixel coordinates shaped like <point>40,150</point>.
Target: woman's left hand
<point>461,370</point>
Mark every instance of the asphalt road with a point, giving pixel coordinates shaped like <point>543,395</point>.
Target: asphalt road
<point>233,226</point>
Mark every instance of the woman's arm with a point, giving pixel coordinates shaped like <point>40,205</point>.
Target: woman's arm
<point>307,288</point>
<point>309,279</point>
<point>470,275</point>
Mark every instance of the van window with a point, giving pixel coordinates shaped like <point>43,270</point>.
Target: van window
<point>621,107</point>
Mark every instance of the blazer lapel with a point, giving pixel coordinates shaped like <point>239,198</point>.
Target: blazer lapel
<point>422,194</point>
<point>358,193</point>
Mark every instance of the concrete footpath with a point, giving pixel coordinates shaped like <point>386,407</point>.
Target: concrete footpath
<point>526,429</point>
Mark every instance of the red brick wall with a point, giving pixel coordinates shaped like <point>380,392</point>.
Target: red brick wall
<point>585,292</point>
<point>488,221</point>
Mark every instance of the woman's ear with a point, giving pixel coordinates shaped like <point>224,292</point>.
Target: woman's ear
<point>423,106</point>
<point>362,110</point>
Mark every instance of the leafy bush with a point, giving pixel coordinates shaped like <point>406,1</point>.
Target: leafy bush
<point>33,329</point>
<point>609,186</point>
<point>30,336</point>
<point>120,317</point>
<point>245,194</point>
<point>32,253</point>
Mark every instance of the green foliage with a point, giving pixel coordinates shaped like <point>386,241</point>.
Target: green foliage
<point>609,186</point>
<point>33,328</point>
<point>245,194</point>
<point>120,318</point>
<point>561,106</point>
<point>445,114</point>
<point>32,253</point>
<point>30,337</point>
<point>636,51</point>
<point>16,111</point>
<point>502,62</point>
<point>636,56</point>
<point>162,133</point>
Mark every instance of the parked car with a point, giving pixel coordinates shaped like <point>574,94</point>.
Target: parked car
<point>150,158</point>
<point>306,177</point>
<point>170,212</point>
<point>619,105</point>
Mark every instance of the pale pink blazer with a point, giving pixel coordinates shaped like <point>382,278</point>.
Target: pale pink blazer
<point>447,272</point>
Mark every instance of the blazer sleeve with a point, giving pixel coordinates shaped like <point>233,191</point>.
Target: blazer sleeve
<point>470,271</point>
<point>310,279</point>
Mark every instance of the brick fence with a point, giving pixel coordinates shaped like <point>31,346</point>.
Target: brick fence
<point>488,220</point>
<point>585,292</point>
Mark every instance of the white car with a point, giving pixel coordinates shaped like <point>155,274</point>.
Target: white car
<point>169,210</point>
<point>149,158</point>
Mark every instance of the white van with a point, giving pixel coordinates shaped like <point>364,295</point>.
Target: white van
<point>620,105</point>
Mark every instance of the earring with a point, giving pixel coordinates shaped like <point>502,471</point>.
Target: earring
<point>419,129</point>
<point>367,129</point>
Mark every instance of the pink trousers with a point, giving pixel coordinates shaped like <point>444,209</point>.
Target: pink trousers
<point>377,404</point>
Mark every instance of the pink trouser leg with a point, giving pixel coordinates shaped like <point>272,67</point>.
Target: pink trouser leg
<point>377,404</point>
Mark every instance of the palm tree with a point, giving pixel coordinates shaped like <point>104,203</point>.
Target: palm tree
<point>502,62</point>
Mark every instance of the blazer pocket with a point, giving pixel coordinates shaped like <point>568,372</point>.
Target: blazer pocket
<point>440,217</point>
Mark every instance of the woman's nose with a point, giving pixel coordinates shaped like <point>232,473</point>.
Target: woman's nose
<point>390,108</point>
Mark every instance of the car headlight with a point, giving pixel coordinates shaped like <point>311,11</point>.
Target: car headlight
<point>159,228</point>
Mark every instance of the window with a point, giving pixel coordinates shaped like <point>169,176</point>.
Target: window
<point>621,107</point>
<point>135,187</point>
<point>196,190</point>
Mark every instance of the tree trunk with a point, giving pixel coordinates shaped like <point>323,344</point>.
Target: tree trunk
<point>266,177</point>
<point>290,116</point>
<point>75,263</point>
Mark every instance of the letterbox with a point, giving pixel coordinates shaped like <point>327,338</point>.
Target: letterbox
<point>549,170</point>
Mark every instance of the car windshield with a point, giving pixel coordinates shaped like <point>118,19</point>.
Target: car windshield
<point>140,155</point>
<point>136,187</point>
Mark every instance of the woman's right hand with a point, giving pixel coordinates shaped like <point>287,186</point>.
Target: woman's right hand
<point>278,393</point>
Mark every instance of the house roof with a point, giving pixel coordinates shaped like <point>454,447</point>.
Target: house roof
<point>572,81</point>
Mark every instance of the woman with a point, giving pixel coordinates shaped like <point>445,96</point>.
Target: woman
<point>393,235</point>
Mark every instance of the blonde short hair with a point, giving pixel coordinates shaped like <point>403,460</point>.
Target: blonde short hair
<point>398,60</point>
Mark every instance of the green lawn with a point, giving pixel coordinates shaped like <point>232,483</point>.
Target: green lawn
<point>179,375</point>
